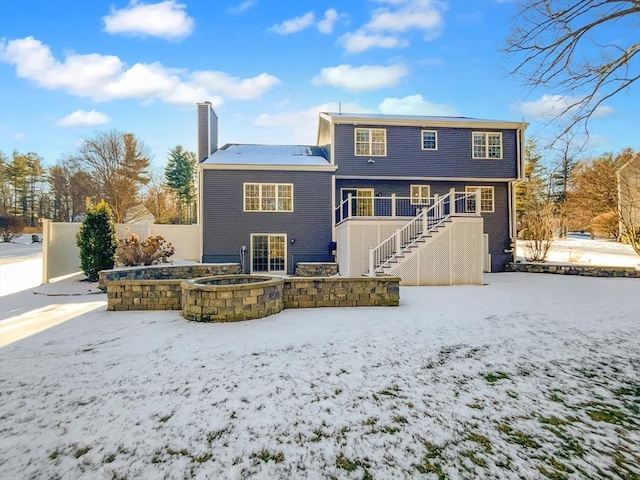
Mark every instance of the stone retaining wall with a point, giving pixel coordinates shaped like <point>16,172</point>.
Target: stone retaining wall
<point>296,293</point>
<point>232,299</point>
<point>316,269</point>
<point>166,272</point>
<point>341,292</point>
<point>582,270</point>
<point>144,295</point>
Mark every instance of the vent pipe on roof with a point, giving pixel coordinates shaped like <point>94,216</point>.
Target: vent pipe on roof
<point>207,130</point>
<point>339,107</point>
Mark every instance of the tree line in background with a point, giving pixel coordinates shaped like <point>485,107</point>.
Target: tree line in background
<point>111,166</point>
<point>564,193</point>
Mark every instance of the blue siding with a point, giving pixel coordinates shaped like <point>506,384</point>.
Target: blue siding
<point>405,156</point>
<point>496,223</point>
<point>226,227</point>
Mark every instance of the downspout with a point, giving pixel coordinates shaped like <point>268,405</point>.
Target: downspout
<point>200,209</point>
<point>512,187</point>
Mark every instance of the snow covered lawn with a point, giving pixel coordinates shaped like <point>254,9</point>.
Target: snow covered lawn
<point>528,376</point>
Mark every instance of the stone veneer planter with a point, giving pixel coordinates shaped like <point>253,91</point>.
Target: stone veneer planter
<point>230,298</point>
<point>581,270</point>
<point>168,272</point>
<point>316,269</point>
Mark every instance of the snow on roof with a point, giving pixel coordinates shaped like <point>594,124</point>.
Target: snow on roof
<point>249,154</point>
<point>412,118</point>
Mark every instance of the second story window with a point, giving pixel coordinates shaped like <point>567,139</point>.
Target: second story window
<point>429,140</point>
<point>487,145</point>
<point>371,142</point>
<point>268,197</point>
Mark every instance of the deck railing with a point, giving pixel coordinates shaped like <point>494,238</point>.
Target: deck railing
<point>388,207</point>
<point>453,203</point>
<point>398,207</point>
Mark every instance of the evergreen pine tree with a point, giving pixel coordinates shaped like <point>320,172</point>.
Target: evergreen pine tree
<point>97,240</point>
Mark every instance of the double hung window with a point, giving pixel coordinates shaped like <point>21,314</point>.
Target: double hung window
<point>268,197</point>
<point>487,145</point>
<point>371,142</point>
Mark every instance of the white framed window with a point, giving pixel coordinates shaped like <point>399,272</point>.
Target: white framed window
<point>268,197</point>
<point>486,198</point>
<point>361,201</point>
<point>420,194</point>
<point>487,145</point>
<point>429,140</point>
<point>268,253</point>
<point>371,142</point>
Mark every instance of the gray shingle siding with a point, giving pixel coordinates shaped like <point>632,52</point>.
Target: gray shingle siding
<point>405,155</point>
<point>496,224</point>
<point>226,227</point>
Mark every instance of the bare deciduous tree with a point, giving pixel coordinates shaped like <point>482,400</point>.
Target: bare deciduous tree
<point>550,42</point>
<point>117,163</point>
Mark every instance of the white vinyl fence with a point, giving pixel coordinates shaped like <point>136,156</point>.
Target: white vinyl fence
<point>61,255</point>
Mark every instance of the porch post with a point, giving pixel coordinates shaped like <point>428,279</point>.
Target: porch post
<point>478,206</point>
<point>371,265</point>
<point>349,207</point>
<point>437,207</point>
<point>452,201</point>
<point>393,205</point>
<point>398,241</point>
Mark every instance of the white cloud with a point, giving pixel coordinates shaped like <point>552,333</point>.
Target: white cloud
<point>233,87</point>
<point>360,41</point>
<point>549,107</point>
<point>294,24</point>
<point>19,137</point>
<point>301,126</point>
<point>244,6</point>
<point>394,19</point>
<point>104,78</point>
<point>416,105</point>
<point>165,19</point>
<point>80,118</point>
<point>364,78</point>
<point>330,17</point>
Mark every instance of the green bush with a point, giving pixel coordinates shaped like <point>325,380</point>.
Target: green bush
<point>10,227</point>
<point>131,251</point>
<point>97,240</point>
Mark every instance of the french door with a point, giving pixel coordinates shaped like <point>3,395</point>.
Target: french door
<point>268,253</point>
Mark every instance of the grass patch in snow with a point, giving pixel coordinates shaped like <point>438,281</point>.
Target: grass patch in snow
<point>494,377</point>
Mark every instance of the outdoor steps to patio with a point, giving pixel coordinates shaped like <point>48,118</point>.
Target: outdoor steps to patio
<point>411,249</point>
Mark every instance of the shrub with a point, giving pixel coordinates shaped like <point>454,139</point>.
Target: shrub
<point>10,227</point>
<point>605,225</point>
<point>97,240</point>
<point>537,228</point>
<point>131,251</point>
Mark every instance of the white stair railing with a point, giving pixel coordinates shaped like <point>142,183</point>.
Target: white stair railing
<point>401,242</point>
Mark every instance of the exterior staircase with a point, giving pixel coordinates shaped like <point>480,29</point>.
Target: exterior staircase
<point>429,223</point>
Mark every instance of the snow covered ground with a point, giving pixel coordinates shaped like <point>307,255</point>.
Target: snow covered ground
<point>528,376</point>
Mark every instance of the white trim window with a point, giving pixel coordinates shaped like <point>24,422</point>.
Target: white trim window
<point>371,142</point>
<point>268,197</point>
<point>487,145</point>
<point>420,194</point>
<point>487,203</point>
<point>429,140</point>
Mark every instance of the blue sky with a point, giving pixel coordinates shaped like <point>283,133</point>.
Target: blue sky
<point>72,68</point>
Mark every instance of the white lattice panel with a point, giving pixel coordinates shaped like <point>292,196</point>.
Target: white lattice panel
<point>467,253</point>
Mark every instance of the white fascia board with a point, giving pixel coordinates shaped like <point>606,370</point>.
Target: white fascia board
<point>292,168</point>
<point>433,179</point>
<point>466,123</point>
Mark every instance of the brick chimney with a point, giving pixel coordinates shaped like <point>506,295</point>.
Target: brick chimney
<point>207,130</point>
